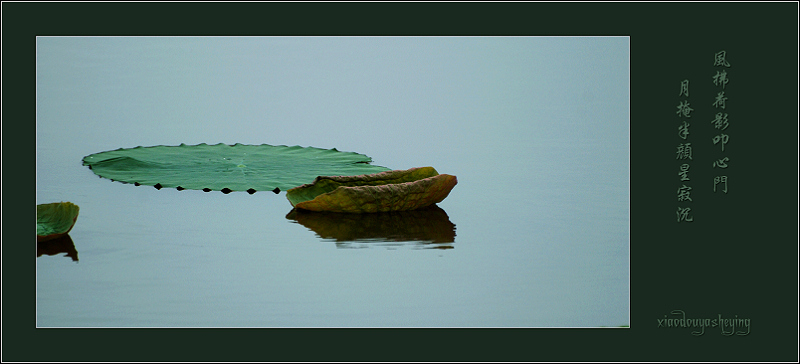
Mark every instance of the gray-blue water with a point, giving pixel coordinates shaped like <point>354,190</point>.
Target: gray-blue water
<point>535,128</point>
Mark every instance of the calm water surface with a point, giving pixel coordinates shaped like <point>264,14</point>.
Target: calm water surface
<point>535,234</point>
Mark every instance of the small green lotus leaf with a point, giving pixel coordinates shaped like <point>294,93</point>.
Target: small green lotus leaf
<point>55,219</point>
<point>398,190</point>
<point>226,168</point>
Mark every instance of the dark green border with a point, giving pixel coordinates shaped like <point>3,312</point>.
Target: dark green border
<point>738,258</point>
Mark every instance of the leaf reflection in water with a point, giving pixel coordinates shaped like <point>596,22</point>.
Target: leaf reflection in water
<point>61,244</point>
<point>427,228</point>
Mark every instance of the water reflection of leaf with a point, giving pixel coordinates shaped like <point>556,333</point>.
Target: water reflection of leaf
<point>61,244</point>
<point>428,227</point>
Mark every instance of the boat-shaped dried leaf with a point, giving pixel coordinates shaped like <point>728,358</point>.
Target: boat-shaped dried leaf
<point>397,190</point>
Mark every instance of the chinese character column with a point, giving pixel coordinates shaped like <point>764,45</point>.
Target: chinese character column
<point>720,121</point>
<point>684,153</point>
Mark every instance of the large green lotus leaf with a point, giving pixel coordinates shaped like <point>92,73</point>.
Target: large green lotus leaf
<point>227,168</point>
<point>54,220</point>
<point>398,190</point>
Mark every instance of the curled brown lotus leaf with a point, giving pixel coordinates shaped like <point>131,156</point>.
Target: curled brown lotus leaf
<point>398,190</point>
